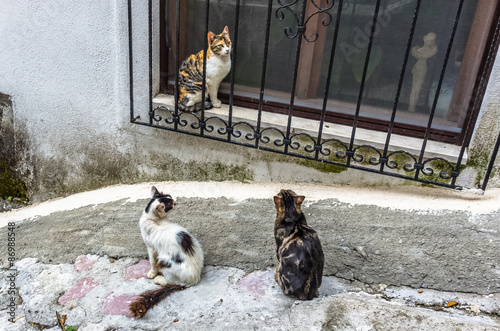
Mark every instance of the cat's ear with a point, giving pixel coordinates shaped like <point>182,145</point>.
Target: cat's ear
<point>300,199</point>
<point>210,37</point>
<point>225,32</point>
<point>154,192</point>
<point>278,201</point>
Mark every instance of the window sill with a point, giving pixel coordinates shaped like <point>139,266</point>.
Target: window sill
<point>331,130</point>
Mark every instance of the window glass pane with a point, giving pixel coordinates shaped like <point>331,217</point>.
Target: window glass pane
<point>421,77</point>
<point>436,19</point>
<point>251,41</point>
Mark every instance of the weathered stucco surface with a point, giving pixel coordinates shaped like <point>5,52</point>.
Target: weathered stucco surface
<point>427,252</point>
<point>64,66</point>
<point>488,128</point>
<point>441,241</point>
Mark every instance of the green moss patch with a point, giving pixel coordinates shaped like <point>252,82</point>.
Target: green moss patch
<point>9,186</point>
<point>322,166</point>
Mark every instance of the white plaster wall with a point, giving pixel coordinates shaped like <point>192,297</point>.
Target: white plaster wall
<point>65,65</point>
<point>59,64</point>
<point>491,100</point>
<point>488,124</point>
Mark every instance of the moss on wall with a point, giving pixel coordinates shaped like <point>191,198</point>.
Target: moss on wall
<point>217,171</point>
<point>485,137</point>
<point>76,169</point>
<point>322,166</point>
<point>9,186</point>
<point>59,176</point>
<point>479,160</point>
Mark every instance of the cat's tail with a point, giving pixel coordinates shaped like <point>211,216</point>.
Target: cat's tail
<point>151,298</point>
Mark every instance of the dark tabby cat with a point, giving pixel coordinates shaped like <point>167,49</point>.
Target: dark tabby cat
<point>191,73</point>
<point>300,257</point>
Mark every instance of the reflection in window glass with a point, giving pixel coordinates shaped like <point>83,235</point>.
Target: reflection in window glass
<point>436,19</point>
<point>433,29</point>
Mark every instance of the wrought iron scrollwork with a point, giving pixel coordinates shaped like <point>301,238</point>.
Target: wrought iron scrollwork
<point>327,150</point>
<point>391,164</point>
<point>280,15</point>
<point>302,26</point>
<point>155,117</point>
<point>296,145</point>
<point>304,17</point>
<point>169,120</point>
<point>210,128</point>
<point>265,138</point>
<point>342,154</point>
<point>326,21</point>
<point>428,171</point>
<point>237,133</point>
<point>359,157</point>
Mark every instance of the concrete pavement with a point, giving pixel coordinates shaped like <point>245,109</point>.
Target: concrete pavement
<point>402,258</point>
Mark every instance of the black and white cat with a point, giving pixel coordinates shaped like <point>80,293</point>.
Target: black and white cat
<point>176,257</point>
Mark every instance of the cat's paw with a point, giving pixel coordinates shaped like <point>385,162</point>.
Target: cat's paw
<point>217,103</point>
<point>152,273</point>
<point>160,280</point>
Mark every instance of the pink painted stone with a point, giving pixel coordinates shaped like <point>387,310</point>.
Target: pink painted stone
<point>84,286</point>
<point>83,263</point>
<point>138,270</point>
<point>118,305</point>
<point>257,283</point>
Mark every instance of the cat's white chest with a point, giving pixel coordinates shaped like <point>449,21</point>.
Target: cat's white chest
<point>217,68</point>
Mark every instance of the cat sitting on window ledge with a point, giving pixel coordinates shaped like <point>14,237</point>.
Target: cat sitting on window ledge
<point>191,73</point>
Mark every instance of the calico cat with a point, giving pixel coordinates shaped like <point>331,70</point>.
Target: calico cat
<point>298,249</point>
<point>176,257</point>
<point>191,73</point>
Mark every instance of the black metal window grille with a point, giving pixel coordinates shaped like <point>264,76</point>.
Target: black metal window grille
<point>289,140</point>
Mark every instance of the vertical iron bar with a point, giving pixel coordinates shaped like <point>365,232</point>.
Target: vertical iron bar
<point>482,86</point>
<point>363,80</point>
<point>150,50</point>
<point>203,87</point>
<point>490,165</point>
<point>176,72</point>
<point>400,84</point>
<point>300,34</point>
<point>329,76</point>
<point>264,69</point>
<point>438,88</point>
<point>233,68</point>
<point>130,62</point>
